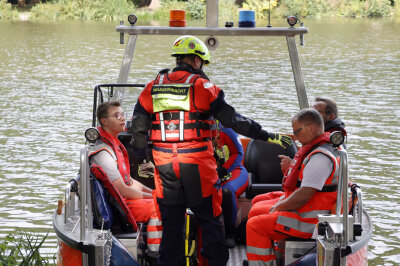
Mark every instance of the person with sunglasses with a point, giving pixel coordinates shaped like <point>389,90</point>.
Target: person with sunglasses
<point>110,154</point>
<point>309,189</point>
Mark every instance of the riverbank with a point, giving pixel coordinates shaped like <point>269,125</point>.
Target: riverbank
<point>116,10</point>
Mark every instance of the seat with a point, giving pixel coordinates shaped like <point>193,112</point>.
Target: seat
<point>263,165</point>
<point>125,137</point>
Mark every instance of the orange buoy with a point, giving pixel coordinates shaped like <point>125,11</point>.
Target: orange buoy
<point>177,18</point>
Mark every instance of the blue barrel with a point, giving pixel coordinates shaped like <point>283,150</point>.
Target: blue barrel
<point>247,18</point>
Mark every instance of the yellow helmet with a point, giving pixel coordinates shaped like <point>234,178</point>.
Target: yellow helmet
<point>191,45</point>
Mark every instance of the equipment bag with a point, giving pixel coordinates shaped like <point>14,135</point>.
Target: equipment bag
<point>102,214</point>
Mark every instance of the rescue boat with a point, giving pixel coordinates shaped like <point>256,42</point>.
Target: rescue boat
<point>86,236</point>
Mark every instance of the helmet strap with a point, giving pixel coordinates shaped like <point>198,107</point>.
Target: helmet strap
<point>201,65</point>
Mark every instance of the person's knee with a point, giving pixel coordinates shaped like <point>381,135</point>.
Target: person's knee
<point>251,224</point>
<point>227,196</point>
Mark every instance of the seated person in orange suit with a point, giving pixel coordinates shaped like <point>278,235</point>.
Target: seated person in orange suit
<point>329,112</point>
<point>310,188</point>
<point>110,154</point>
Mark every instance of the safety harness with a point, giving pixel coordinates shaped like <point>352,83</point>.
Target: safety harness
<point>172,119</point>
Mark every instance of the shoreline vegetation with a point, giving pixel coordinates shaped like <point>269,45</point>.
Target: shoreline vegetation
<point>23,248</point>
<point>150,10</point>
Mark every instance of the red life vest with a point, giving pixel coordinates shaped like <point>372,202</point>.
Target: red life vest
<point>292,173</point>
<point>181,120</point>
<point>301,222</point>
<point>117,150</point>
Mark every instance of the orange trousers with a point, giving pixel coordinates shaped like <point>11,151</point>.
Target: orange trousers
<point>144,210</point>
<point>260,231</point>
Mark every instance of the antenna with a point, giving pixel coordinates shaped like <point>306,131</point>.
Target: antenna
<point>269,14</point>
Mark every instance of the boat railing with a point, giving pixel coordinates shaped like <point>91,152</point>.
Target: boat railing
<point>68,203</point>
<point>71,190</point>
<point>343,197</point>
<point>359,213</point>
<point>86,223</point>
<point>99,96</point>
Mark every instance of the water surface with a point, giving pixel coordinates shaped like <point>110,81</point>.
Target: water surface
<point>48,72</point>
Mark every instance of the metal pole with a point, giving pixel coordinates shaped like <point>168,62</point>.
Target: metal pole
<point>301,35</point>
<point>83,190</point>
<point>121,35</point>
<point>212,14</point>
<point>67,207</point>
<point>340,188</point>
<point>269,13</point>
<point>88,196</point>
<point>298,75</point>
<point>343,174</point>
<point>360,205</point>
<point>126,65</point>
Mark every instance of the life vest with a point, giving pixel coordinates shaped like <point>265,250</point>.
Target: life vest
<point>175,116</point>
<point>99,173</point>
<point>301,222</point>
<point>292,173</point>
<point>116,149</point>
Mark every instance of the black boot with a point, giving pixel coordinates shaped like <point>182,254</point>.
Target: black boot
<point>227,213</point>
<point>229,235</point>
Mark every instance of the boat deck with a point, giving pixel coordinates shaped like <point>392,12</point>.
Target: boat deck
<point>237,255</point>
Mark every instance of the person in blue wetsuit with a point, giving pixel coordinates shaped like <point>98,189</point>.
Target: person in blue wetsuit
<point>228,152</point>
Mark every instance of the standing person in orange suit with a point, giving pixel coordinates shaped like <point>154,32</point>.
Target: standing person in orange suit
<point>178,109</point>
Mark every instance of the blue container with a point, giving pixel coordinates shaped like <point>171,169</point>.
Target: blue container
<point>247,18</point>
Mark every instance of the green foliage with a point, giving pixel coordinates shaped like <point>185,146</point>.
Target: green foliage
<point>334,8</point>
<point>109,10</point>
<point>378,8</point>
<point>228,11</point>
<point>303,8</point>
<point>7,12</point>
<point>196,9</point>
<point>115,10</point>
<point>22,248</point>
<point>260,7</point>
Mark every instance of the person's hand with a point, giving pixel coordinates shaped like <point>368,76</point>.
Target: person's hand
<point>283,140</point>
<point>285,162</point>
<point>223,173</point>
<point>146,170</point>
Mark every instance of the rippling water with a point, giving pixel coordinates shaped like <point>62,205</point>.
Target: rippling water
<point>48,71</point>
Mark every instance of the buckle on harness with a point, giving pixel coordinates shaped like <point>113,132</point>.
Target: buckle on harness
<point>171,126</point>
